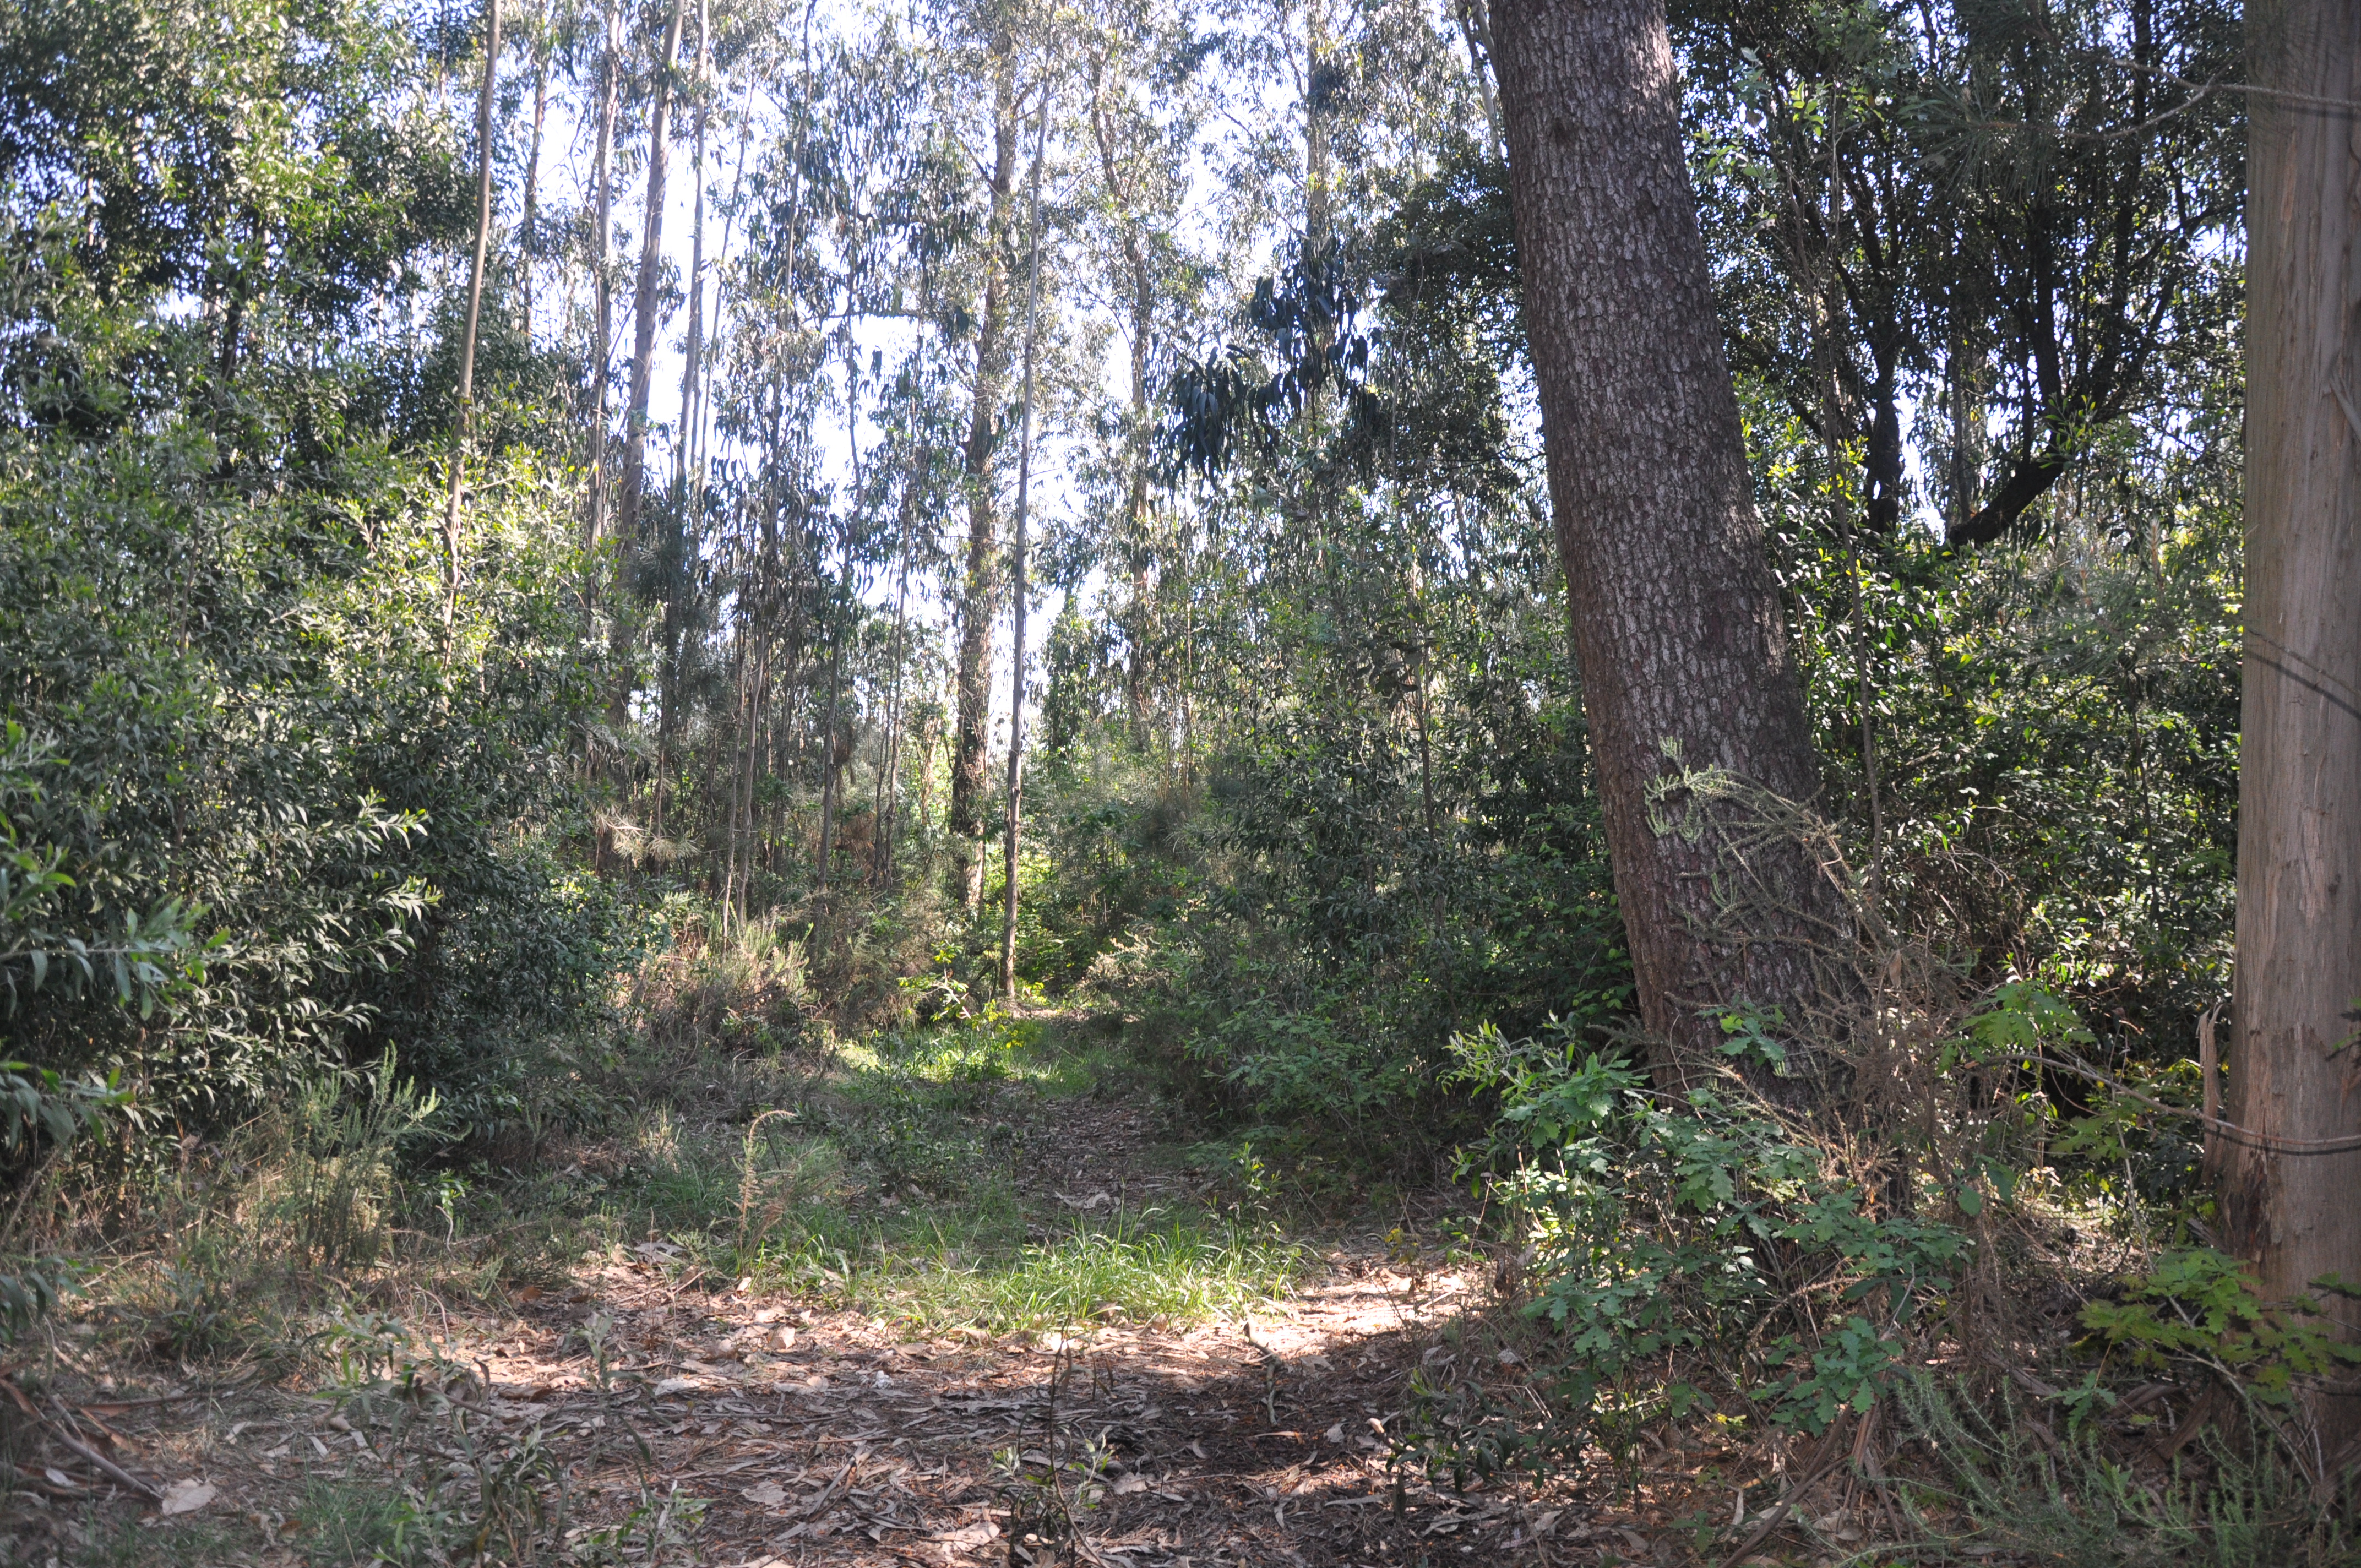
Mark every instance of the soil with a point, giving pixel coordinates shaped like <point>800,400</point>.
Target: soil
<point>719,1424</point>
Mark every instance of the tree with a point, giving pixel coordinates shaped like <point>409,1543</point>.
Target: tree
<point>2287,1192</point>
<point>976,597</point>
<point>474,310</point>
<point>2026,224</point>
<point>1677,625</point>
<point>1014,827</point>
<point>644,303</point>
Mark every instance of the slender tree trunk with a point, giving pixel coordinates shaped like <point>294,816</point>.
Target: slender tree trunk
<point>1676,618</point>
<point>686,535</point>
<point>694,348</point>
<point>1138,620</point>
<point>720,272</point>
<point>530,245</point>
<point>644,348</point>
<point>2292,1071</point>
<point>889,778</point>
<point>851,621</point>
<point>1476,29</point>
<point>1016,563</point>
<point>1136,673</point>
<point>465,432</point>
<point>971,731</point>
<point>602,243</point>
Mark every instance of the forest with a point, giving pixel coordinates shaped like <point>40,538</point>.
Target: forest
<point>1180,783</point>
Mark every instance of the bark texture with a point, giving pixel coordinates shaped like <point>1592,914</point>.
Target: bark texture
<point>978,582</point>
<point>2293,1212</point>
<point>1677,619</point>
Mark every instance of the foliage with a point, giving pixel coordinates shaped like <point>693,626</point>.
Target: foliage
<point>2198,1306</point>
<point>2242,1506</point>
<point>221,596</point>
<point>1669,1233</point>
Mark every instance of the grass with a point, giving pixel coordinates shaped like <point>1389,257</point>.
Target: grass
<point>883,1174</point>
<point>888,1184</point>
<point>2232,1502</point>
<point>1154,1267</point>
<point>340,1523</point>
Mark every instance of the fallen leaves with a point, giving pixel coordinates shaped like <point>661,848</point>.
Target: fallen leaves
<point>187,1497</point>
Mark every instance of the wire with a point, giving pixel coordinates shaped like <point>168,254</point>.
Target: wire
<point>2230,1130</point>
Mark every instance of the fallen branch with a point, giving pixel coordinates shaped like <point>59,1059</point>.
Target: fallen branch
<point>1831,1452</point>
<point>106,1466</point>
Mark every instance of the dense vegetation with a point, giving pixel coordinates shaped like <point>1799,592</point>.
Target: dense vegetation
<point>665,710</point>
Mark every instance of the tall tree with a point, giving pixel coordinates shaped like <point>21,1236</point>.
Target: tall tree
<point>1016,554</point>
<point>1677,618</point>
<point>602,242</point>
<point>2287,1194</point>
<point>540,45</point>
<point>978,578</point>
<point>644,293</point>
<point>465,432</point>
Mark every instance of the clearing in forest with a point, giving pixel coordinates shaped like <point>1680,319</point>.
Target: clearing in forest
<point>995,1307</point>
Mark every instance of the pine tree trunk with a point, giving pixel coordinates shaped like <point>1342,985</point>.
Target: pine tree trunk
<point>980,579</point>
<point>2292,1077</point>
<point>1677,618</point>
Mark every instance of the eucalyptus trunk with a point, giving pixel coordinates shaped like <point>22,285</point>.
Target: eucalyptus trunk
<point>972,677</point>
<point>644,348</point>
<point>2289,1169</point>
<point>463,436</point>
<point>602,255</point>
<point>1017,563</point>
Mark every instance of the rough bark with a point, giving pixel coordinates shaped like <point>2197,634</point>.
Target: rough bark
<point>2289,1209</point>
<point>980,576</point>
<point>1677,618</point>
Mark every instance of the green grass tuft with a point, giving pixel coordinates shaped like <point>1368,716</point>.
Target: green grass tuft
<point>1150,1268</point>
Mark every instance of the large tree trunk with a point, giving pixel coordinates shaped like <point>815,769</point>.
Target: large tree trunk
<point>1676,618</point>
<point>2292,1211</point>
<point>979,579</point>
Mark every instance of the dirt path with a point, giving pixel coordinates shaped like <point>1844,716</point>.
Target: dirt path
<point>1236,1443</point>
<point>676,1417</point>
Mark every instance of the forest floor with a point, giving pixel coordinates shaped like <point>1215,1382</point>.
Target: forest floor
<point>630,1405</point>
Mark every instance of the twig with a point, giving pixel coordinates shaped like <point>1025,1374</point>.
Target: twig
<point>116,1407</point>
<point>1830,1452</point>
<point>2229,1130</point>
<point>106,1466</point>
